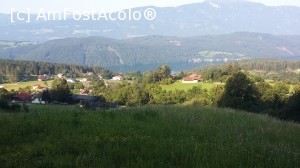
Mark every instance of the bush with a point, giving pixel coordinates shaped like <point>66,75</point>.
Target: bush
<point>167,81</point>
<point>291,111</point>
<point>239,93</point>
<point>15,107</point>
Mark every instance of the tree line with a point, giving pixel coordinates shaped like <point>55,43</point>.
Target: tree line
<point>276,70</point>
<point>15,71</point>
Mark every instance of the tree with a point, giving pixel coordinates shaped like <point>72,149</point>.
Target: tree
<point>239,93</point>
<point>277,96</point>
<point>213,74</point>
<point>150,77</point>
<point>46,96</point>
<point>297,88</point>
<point>154,92</point>
<point>263,87</point>
<point>198,96</point>
<point>4,95</point>
<point>136,95</point>
<point>60,90</point>
<point>163,72</point>
<point>291,111</point>
<point>181,75</point>
<point>216,94</point>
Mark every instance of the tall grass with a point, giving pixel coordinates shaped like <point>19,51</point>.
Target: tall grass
<point>154,136</point>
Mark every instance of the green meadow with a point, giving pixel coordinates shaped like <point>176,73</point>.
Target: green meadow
<point>150,136</point>
<point>17,86</point>
<point>186,86</point>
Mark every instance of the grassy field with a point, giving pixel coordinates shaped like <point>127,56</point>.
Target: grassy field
<point>184,86</point>
<point>16,86</point>
<point>157,136</point>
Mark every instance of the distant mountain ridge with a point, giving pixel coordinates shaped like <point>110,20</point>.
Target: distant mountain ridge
<point>154,50</point>
<point>211,17</point>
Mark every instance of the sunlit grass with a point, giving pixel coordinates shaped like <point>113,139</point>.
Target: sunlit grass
<point>16,86</point>
<point>154,136</point>
<point>186,86</point>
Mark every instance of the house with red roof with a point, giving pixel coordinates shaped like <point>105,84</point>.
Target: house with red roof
<point>84,92</point>
<point>118,78</point>
<point>42,77</point>
<point>22,97</point>
<point>89,73</point>
<point>193,78</point>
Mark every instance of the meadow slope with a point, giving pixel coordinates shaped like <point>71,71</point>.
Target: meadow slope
<point>152,136</point>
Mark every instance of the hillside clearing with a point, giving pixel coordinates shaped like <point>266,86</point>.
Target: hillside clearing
<point>186,86</point>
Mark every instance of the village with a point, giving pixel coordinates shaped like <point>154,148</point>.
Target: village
<point>32,94</point>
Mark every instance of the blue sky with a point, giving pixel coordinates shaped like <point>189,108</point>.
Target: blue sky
<point>6,5</point>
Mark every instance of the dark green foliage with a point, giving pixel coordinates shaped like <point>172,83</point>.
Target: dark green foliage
<point>198,96</point>
<point>239,93</point>
<point>17,108</point>
<point>263,87</point>
<point>291,110</point>
<point>136,76</point>
<point>181,75</point>
<point>60,91</point>
<point>4,99</point>
<point>277,70</point>
<point>14,71</point>
<point>163,72</point>
<point>213,74</point>
<point>25,107</point>
<point>46,96</point>
<point>276,96</point>
<point>216,94</point>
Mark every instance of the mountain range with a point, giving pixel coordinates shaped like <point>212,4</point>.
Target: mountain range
<point>211,17</point>
<point>150,51</point>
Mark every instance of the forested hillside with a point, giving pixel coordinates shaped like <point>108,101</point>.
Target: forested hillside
<point>277,70</point>
<point>20,70</point>
<point>155,50</point>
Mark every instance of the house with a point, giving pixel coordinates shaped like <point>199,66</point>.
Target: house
<point>71,80</point>
<point>37,99</point>
<point>118,78</point>
<point>21,97</point>
<point>84,92</point>
<point>197,77</point>
<point>60,75</point>
<point>100,76</point>
<point>193,78</point>
<point>37,86</point>
<point>189,80</point>
<point>42,77</point>
<point>83,80</point>
<point>89,73</point>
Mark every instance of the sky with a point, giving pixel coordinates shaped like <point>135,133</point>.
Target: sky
<point>112,5</point>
